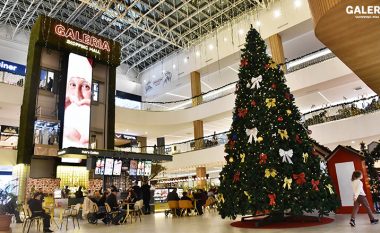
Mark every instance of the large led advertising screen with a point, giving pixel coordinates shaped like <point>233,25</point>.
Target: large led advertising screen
<point>76,127</point>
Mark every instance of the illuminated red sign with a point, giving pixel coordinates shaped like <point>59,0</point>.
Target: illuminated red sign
<point>83,38</point>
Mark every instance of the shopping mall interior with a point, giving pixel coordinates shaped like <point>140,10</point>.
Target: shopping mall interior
<point>219,115</point>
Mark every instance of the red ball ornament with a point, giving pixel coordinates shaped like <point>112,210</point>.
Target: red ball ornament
<point>253,103</point>
<point>267,66</point>
<point>280,119</point>
<point>274,86</point>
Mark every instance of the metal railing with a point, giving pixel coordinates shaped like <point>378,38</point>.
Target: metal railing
<point>228,89</point>
<point>321,115</point>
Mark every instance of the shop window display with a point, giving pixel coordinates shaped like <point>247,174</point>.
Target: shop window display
<point>12,79</point>
<point>46,132</point>
<point>8,136</point>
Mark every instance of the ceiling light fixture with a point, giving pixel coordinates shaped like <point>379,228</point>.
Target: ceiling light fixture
<point>173,66</point>
<point>185,60</point>
<point>258,23</point>
<point>225,39</point>
<point>297,3</point>
<point>241,31</point>
<point>210,46</point>
<point>277,13</point>
<point>197,53</point>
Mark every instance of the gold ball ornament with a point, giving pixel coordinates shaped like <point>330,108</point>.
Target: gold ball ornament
<point>289,112</point>
<point>231,160</point>
<point>260,139</point>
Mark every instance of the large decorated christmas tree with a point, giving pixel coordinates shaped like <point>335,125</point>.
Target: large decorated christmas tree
<point>271,165</point>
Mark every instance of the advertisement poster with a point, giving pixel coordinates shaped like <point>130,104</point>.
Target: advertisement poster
<point>117,167</point>
<point>108,168</point>
<point>99,167</point>
<point>140,168</point>
<point>133,168</point>
<point>76,128</point>
<point>148,168</point>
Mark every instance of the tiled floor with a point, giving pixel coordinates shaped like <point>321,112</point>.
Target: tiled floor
<point>210,222</point>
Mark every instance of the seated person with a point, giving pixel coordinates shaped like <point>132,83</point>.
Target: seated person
<point>173,195</point>
<point>35,205</point>
<point>112,202</point>
<point>131,199</point>
<point>185,197</point>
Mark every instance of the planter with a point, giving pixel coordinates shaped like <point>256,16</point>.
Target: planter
<point>5,222</point>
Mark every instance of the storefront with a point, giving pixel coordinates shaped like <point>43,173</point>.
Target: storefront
<point>12,73</point>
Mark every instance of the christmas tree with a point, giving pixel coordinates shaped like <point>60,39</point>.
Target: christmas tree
<point>271,165</point>
<point>370,159</point>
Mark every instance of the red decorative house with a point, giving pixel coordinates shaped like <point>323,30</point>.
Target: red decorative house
<point>340,164</point>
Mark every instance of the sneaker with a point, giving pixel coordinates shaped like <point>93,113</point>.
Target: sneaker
<point>47,230</point>
<point>374,221</point>
<point>352,222</point>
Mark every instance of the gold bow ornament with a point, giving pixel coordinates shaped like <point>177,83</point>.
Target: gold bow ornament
<point>248,195</point>
<point>270,102</point>
<point>330,187</point>
<point>305,156</point>
<point>242,157</point>
<point>283,133</point>
<point>270,173</point>
<point>288,183</point>
<point>221,198</point>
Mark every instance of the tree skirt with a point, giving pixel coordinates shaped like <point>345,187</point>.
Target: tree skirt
<point>289,222</point>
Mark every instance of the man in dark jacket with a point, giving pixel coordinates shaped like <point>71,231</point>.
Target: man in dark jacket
<point>136,188</point>
<point>145,190</point>
<point>173,195</point>
<point>112,202</point>
<point>35,205</point>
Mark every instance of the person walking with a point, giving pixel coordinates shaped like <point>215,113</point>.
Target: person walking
<point>360,198</point>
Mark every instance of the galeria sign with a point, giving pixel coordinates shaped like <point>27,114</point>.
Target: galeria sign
<point>363,10</point>
<point>82,38</point>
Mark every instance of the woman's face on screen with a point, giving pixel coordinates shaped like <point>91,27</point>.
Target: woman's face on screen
<point>78,89</point>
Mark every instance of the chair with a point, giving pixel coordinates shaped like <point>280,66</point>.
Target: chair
<point>138,209</point>
<point>74,213</point>
<point>184,205</point>
<point>64,214</point>
<point>128,213</point>
<point>210,204</point>
<point>173,206</point>
<point>28,218</point>
<point>110,214</point>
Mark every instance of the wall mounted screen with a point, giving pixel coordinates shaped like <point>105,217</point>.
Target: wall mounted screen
<point>76,127</point>
<point>108,168</point>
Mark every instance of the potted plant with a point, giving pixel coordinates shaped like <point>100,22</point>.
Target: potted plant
<point>7,207</point>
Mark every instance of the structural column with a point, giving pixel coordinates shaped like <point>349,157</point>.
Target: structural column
<point>198,134</point>
<point>275,43</point>
<point>201,177</point>
<point>196,90</point>
<point>143,143</point>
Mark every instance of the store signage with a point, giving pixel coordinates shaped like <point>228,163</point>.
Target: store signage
<point>81,39</point>
<point>364,11</point>
<point>13,68</point>
<point>89,152</point>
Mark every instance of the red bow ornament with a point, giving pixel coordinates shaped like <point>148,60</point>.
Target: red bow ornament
<point>272,199</point>
<point>315,184</point>
<point>298,139</point>
<point>263,158</point>
<point>244,62</point>
<point>242,112</point>
<point>236,177</point>
<point>300,178</point>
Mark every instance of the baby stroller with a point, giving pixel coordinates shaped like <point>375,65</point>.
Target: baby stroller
<point>95,214</point>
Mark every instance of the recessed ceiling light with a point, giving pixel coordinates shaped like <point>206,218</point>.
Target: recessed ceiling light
<point>225,39</point>
<point>185,60</point>
<point>277,13</point>
<point>297,3</point>
<point>241,31</point>
<point>173,66</point>
<point>258,23</point>
<point>352,142</point>
<point>144,81</point>
<point>197,53</point>
<point>210,46</point>
<point>146,132</point>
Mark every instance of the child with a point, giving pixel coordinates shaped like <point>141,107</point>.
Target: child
<point>360,198</point>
